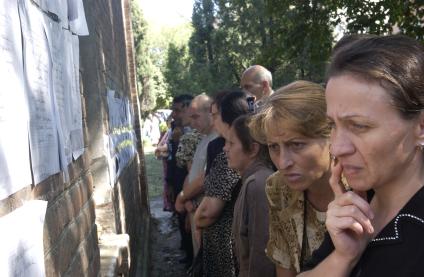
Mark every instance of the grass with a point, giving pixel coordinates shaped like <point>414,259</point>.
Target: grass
<point>154,172</point>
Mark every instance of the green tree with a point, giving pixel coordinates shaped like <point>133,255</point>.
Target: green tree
<point>292,38</point>
<point>210,67</point>
<point>151,53</point>
<point>384,17</point>
<point>149,78</point>
<point>176,71</point>
<point>304,32</point>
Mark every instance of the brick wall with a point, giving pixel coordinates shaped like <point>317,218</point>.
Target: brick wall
<point>110,62</point>
<point>81,211</point>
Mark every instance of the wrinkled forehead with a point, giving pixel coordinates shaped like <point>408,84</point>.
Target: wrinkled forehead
<point>348,96</point>
<point>277,127</point>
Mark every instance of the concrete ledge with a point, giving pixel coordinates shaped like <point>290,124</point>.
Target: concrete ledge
<point>114,255</point>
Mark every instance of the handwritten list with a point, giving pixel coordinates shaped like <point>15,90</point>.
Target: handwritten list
<point>37,73</point>
<point>15,171</point>
<point>40,103</point>
<point>21,240</point>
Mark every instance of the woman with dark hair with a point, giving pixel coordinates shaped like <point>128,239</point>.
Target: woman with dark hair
<point>375,102</point>
<point>250,223</point>
<point>215,213</point>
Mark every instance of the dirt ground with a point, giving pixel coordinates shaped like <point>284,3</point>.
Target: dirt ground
<point>165,243</point>
<point>165,250</point>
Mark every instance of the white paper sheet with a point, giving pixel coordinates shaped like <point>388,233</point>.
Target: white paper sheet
<point>76,15</point>
<point>15,171</point>
<point>77,139</point>
<point>60,46</point>
<point>21,240</point>
<point>41,3</point>
<point>60,8</point>
<point>37,73</point>
<point>72,10</point>
<point>66,90</point>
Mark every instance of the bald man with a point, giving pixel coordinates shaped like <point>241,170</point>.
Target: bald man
<point>201,120</point>
<point>257,81</point>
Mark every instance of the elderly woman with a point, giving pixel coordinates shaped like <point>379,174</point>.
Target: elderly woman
<point>293,123</point>
<point>375,101</point>
<point>250,223</point>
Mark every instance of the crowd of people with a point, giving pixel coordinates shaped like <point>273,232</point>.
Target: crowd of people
<point>309,179</point>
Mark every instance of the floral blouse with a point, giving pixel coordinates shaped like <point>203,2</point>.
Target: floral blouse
<point>286,225</point>
<point>187,147</point>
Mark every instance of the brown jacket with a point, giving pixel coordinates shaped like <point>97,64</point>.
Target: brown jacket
<point>250,224</point>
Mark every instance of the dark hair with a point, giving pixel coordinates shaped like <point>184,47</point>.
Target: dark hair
<point>348,39</point>
<point>396,62</point>
<point>241,128</point>
<point>232,105</point>
<point>217,99</point>
<point>184,99</point>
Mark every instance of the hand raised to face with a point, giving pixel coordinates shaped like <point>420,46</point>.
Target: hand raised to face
<point>348,218</point>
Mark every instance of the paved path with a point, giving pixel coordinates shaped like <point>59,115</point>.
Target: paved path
<point>165,243</point>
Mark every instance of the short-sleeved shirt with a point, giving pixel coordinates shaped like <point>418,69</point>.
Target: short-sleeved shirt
<point>187,147</point>
<point>199,158</point>
<point>286,227</point>
<point>398,250</point>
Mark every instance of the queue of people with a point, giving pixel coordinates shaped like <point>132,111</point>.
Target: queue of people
<point>310,180</point>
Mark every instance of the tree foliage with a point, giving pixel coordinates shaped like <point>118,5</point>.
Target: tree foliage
<point>292,38</point>
<point>176,70</point>
<point>149,78</point>
<point>151,55</point>
<point>385,17</point>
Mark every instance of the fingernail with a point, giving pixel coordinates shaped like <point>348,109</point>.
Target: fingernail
<point>370,227</point>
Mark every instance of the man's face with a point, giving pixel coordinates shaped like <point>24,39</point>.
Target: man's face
<point>249,86</point>
<point>178,113</point>
<point>201,119</point>
<point>185,116</point>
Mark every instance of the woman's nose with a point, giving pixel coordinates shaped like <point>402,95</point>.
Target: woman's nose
<point>340,144</point>
<point>284,160</point>
<point>225,148</point>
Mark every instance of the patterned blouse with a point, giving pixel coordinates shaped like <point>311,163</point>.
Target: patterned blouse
<point>218,257</point>
<point>187,147</point>
<point>286,225</point>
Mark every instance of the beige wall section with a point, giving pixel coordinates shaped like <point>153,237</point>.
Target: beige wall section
<point>88,211</point>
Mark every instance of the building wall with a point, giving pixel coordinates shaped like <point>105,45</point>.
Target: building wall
<point>107,62</point>
<point>80,212</point>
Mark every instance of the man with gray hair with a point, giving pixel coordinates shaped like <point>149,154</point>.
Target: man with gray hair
<point>257,81</point>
